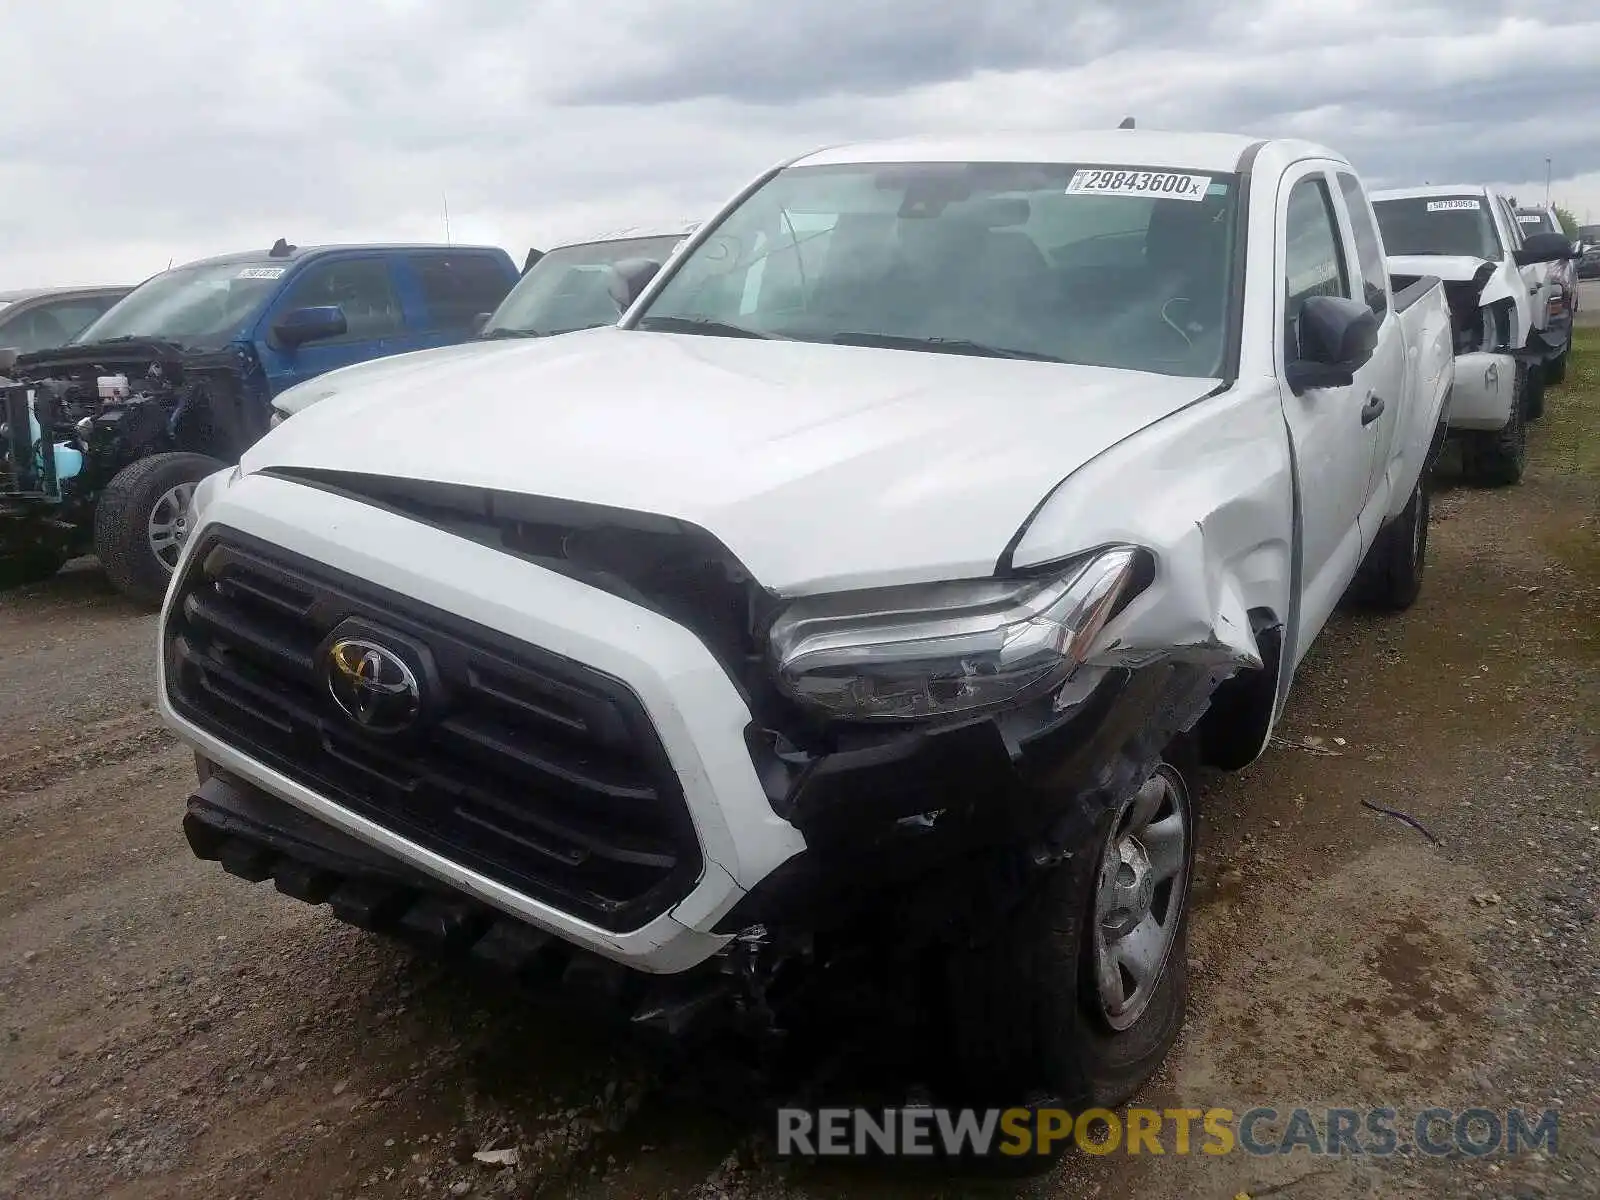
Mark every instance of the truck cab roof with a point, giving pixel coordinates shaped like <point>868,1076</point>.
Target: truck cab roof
<point>293,254</point>
<point>1222,153</point>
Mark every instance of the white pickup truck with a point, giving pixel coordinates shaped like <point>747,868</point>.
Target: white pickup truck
<point>866,596</point>
<point>1493,276</point>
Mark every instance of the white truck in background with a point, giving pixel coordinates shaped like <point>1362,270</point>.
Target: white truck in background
<point>1468,237</point>
<point>1559,287</point>
<point>863,600</point>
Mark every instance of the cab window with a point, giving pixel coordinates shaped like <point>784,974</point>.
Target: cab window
<point>1314,259</point>
<point>361,287</point>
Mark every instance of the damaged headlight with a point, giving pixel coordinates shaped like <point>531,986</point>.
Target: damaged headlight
<point>909,653</point>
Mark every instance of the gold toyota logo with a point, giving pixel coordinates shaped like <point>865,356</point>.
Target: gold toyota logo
<point>372,685</point>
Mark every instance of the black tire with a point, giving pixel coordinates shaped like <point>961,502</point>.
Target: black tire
<point>34,564</point>
<point>1026,1023</point>
<point>1533,394</point>
<point>1555,371</point>
<point>1390,576</point>
<point>1498,459</point>
<point>122,521</point>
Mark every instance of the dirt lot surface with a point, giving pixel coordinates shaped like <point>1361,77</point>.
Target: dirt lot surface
<point>167,1030</point>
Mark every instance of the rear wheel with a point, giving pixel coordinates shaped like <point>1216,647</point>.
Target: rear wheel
<point>1078,999</point>
<point>141,522</point>
<point>1391,575</point>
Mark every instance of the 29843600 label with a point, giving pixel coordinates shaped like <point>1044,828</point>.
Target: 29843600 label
<point>1111,181</point>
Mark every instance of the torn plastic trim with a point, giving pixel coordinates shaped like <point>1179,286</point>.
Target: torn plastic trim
<point>944,827</point>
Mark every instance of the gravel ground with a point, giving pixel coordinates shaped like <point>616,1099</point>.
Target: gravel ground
<point>167,1030</point>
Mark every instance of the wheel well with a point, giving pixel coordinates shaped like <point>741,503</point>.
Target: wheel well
<point>1234,729</point>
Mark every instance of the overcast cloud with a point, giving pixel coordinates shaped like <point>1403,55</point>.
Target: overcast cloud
<point>137,134</point>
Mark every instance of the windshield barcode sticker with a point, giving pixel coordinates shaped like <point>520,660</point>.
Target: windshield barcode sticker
<point>1101,182</point>
<point>1452,206</point>
<point>261,273</point>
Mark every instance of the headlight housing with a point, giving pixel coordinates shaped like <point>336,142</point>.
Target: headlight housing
<point>911,653</point>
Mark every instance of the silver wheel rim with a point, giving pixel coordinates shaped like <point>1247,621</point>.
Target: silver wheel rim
<point>1139,896</point>
<point>169,524</point>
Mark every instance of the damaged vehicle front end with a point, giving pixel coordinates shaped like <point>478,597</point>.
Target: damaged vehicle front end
<point>860,606</point>
<point>1505,355</point>
<point>75,417</point>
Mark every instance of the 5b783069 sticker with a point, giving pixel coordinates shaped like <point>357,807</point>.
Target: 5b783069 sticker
<point>1112,181</point>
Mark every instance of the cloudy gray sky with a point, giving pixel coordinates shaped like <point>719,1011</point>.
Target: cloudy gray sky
<point>135,134</point>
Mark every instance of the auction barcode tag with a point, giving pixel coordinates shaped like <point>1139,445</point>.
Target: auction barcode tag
<point>1110,182</point>
<point>1453,206</point>
<point>261,273</point>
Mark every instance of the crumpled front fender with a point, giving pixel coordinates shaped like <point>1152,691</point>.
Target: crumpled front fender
<point>1210,492</point>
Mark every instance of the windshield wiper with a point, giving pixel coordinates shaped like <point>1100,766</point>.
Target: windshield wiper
<point>890,341</point>
<point>696,325</point>
<point>495,334</point>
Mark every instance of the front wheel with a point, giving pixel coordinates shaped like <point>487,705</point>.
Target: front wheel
<point>1497,459</point>
<point>1081,995</point>
<point>141,522</point>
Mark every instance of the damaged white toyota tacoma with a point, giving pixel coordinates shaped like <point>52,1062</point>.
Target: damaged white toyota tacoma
<point>863,601</point>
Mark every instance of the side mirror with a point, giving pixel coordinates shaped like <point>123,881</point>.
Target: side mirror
<point>1337,336</point>
<point>1543,248</point>
<point>303,325</point>
<point>628,279</point>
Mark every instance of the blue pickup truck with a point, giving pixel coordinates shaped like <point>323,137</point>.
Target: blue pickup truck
<point>103,439</point>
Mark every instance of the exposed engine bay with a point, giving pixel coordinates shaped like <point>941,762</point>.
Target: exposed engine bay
<point>1477,325</point>
<point>73,417</point>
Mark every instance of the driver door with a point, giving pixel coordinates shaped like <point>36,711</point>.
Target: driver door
<point>362,286</point>
<point>1333,442</point>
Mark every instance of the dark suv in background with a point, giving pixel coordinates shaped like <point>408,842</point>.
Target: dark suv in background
<point>1589,264</point>
<point>39,318</point>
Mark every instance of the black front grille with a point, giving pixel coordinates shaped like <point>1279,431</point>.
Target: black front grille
<point>534,770</point>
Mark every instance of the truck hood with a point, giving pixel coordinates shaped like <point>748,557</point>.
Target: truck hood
<point>364,374</point>
<point>1452,268</point>
<point>819,466</point>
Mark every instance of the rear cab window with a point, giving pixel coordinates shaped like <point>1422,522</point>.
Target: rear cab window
<point>458,288</point>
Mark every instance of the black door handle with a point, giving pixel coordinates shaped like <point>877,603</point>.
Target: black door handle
<point>1371,410</point>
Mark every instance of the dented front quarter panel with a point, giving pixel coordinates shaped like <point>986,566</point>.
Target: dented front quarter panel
<point>1210,492</point>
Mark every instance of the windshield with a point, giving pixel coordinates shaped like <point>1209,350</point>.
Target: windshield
<point>1125,267</point>
<point>1445,225</point>
<point>567,289</point>
<point>200,307</point>
<point>1536,221</point>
